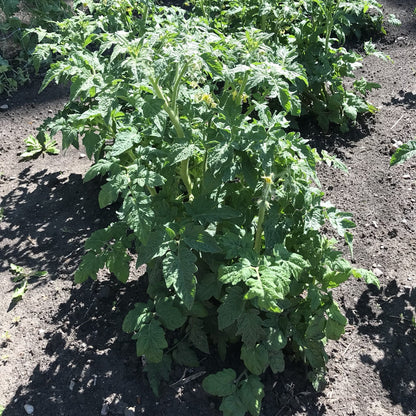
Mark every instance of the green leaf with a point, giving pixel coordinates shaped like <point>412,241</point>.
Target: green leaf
<point>170,315</point>
<point>100,168</point>
<point>156,246</point>
<point>271,284</point>
<point>136,317</point>
<point>89,267</point>
<point>237,245</point>
<point>256,358</point>
<point>404,152</point>
<point>350,111</point>
<point>179,271</point>
<point>197,238</point>
<point>277,361</point>
<point>152,106</point>
<point>239,272</point>
<point>233,406</point>
<point>144,177</point>
<point>251,394</point>
<point>220,384</point>
<point>206,210</point>
<point>214,64</point>
<point>198,335</point>
<point>157,372</point>
<point>150,341</point>
<point>249,326</point>
<point>93,143</point>
<point>19,291</point>
<point>315,353</point>
<point>185,356</point>
<point>341,221</point>
<point>295,262</point>
<point>249,172</point>
<point>123,142</point>
<point>231,308</point>
<point>108,195</point>
<point>137,212</point>
<point>208,286</point>
<point>369,277</point>
<point>118,261</point>
<point>335,325</point>
<point>315,329</point>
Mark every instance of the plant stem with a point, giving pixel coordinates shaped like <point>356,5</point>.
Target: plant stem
<point>151,190</point>
<point>175,90</point>
<point>264,204</point>
<point>174,118</point>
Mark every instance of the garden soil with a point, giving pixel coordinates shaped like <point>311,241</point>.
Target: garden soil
<point>62,351</point>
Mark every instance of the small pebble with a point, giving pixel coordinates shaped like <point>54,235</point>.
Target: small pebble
<point>406,176</point>
<point>378,272</point>
<point>129,411</point>
<point>29,409</point>
<point>72,384</point>
<point>82,155</point>
<point>4,107</point>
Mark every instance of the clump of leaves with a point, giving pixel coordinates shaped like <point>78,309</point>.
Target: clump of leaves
<point>41,144</point>
<point>316,30</point>
<point>215,195</point>
<point>403,153</point>
<point>21,277</point>
<point>16,43</point>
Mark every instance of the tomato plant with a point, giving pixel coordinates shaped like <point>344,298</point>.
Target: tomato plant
<point>317,31</point>
<point>214,192</point>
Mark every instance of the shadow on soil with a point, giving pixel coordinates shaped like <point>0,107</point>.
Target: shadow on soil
<point>46,218</point>
<point>391,327</point>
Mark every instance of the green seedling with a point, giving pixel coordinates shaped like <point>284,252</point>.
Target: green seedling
<point>16,320</point>
<point>5,338</point>
<point>4,358</point>
<point>22,275</point>
<point>36,146</point>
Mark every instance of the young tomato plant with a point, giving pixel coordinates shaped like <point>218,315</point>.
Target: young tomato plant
<point>214,193</point>
<point>316,30</point>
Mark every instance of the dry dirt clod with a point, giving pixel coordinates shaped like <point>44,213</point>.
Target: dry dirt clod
<point>29,409</point>
<point>104,410</point>
<point>378,272</point>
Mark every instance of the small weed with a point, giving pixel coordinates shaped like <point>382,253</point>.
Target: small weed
<point>16,320</point>
<point>2,409</point>
<point>22,275</point>
<point>5,338</point>
<point>4,358</point>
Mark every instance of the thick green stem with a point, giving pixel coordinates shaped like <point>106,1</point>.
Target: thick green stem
<point>184,170</point>
<point>263,206</point>
<point>176,86</point>
<point>151,190</point>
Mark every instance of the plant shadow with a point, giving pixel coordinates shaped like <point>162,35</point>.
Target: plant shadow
<point>46,218</point>
<point>388,319</point>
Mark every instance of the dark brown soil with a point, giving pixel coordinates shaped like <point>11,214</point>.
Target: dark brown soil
<point>61,347</point>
